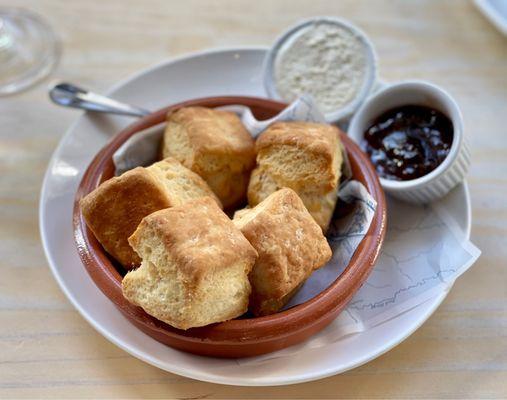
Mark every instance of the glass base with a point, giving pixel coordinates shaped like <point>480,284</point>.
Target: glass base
<point>29,49</point>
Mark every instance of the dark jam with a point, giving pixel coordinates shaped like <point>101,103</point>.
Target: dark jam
<point>408,142</point>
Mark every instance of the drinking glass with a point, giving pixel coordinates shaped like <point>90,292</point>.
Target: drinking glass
<point>29,49</point>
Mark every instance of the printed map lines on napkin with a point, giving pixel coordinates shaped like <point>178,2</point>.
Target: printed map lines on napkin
<point>354,230</point>
<point>422,255</point>
<point>418,227</point>
<point>350,198</point>
<point>392,300</point>
<point>399,261</point>
<point>378,287</point>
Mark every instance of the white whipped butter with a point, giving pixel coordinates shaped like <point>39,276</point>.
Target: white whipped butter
<point>325,60</point>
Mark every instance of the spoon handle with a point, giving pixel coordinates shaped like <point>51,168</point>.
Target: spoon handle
<point>68,95</point>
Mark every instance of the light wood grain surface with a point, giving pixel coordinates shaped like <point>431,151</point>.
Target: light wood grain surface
<point>48,350</point>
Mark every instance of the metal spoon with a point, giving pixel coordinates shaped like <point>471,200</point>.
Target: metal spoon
<point>68,95</point>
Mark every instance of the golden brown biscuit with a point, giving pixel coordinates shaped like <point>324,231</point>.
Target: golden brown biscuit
<point>290,245</point>
<point>301,153</point>
<point>114,210</point>
<point>319,204</point>
<point>215,145</point>
<point>195,266</point>
<point>303,156</point>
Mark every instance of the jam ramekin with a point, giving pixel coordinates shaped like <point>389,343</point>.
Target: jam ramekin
<point>451,171</point>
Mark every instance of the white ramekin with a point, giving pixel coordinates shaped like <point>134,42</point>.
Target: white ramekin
<point>453,169</point>
<point>346,111</point>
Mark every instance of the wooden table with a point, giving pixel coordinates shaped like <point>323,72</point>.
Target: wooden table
<point>48,350</point>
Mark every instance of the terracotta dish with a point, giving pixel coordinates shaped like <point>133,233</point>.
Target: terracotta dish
<point>241,337</point>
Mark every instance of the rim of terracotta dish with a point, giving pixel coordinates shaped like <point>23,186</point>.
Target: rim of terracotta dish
<point>245,331</point>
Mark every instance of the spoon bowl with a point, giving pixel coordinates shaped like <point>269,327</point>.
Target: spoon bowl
<point>69,95</point>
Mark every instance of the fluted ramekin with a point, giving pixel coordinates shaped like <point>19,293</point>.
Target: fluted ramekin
<point>453,169</point>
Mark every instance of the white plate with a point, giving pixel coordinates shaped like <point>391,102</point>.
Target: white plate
<point>219,72</point>
<point>495,11</point>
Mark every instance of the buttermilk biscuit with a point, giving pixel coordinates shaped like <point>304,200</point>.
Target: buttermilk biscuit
<point>195,266</point>
<point>290,245</point>
<point>215,145</point>
<point>303,156</point>
<point>114,210</point>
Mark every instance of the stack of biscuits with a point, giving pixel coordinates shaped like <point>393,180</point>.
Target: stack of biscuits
<point>190,265</point>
